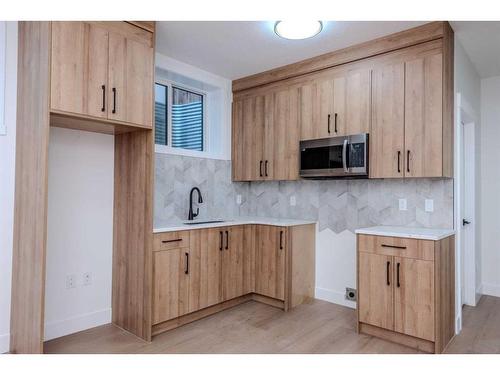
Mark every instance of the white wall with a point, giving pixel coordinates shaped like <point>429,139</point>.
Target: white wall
<point>79,231</point>
<point>490,185</point>
<point>7,173</point>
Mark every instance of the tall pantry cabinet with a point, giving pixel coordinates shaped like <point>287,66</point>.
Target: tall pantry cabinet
<point>92,76</point>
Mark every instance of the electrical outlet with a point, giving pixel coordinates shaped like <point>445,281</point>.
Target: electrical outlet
<point>87,278</point>
<point>70,282</point>
<point>429,205</point>
<point>403,204</point>
<point>293,200</point>
<point>238,199</point>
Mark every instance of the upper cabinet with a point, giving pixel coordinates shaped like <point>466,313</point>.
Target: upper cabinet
<point>266,136</point>
<point>424,116</point>
<point>102,70</point>
<point>387,130</point>
<point>407,118</point>
<point>400,92</point>
<point>336,105</point>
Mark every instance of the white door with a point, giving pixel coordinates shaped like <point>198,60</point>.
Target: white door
<point>467,218</point>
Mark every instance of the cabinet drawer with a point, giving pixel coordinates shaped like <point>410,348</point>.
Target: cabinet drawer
<point>171,240</point>
<point>396,246</point>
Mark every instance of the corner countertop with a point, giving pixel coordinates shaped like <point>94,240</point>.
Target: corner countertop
<point>173,227</point>
<point>407,232</point>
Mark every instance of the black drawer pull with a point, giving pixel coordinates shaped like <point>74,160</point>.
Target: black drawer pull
<point>397,276</point>
<point>227,240</point>
<point>281,240</point>
<point>168,241</point>
<point>394,246</point>
<point>103,87</point>
<point>220,240</point>
<point>187,264</point>
<point>387,273</point>
<point>114,100</point>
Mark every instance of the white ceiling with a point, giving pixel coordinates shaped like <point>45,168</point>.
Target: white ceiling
<point>235,49</point>
<point>481,41</point>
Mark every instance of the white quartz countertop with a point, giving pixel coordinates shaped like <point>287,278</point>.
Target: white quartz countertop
<point>407,232</point>
<point>172,227</point>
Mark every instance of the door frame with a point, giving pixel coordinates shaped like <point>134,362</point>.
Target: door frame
<point>466,120</point>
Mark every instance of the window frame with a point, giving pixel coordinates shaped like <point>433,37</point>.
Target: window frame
<point>169,149</point>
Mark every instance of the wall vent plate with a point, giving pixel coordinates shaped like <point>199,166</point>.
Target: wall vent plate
<point>350,294</point>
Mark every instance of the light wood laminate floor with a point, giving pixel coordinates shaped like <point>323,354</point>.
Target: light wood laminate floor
<point>319,327</point>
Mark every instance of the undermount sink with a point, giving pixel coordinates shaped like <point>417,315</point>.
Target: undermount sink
<point>194,222</point>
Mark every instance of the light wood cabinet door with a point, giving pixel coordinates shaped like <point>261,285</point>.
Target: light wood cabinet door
<point>247,138</point>
<point>387,130</point>
<point>205,268</point>
<point>79,68</point>
<point>170,285</point>
<point>233,262</point>
<point>316,108</point>
<point>356,118</point>
<point>375,290</point>
<point>286,134</point>
<point>270,257</point>
<point>414,297</point>
<point>424,116</point>
<point>269,142</point>
<point>131,75</point>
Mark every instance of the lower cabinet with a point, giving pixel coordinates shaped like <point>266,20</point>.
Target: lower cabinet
<point>270,261</point>
<point>171,284</point>
<point>406,290</point>
<point>375,290</point>
<point>238,262</point>
<point>201,271</point>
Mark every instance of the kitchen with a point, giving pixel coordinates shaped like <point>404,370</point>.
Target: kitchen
<point>324,187</point>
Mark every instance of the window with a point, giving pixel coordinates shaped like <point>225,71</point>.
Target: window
<point>179,117</point>
<point>161,115</point>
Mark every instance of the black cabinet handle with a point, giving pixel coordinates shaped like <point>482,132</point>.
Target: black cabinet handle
<point>265,167</point>
<point>394,246</point>
<point>408,161</point>
<point>387,273</point>
<point>114,100</point>
<point>397,275</point>
<point>328,123</point>
<point>335,123</point>
<point>103,87</point>
<point>186,271</point>
<point>399,161</point>
<point>260,169</point>
<point>281,240</point>
<point>227,239</point>
<point>220,240</point>
<point>176,240</point>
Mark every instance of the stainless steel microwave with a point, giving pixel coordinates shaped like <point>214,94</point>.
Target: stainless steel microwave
<point>335,157</point>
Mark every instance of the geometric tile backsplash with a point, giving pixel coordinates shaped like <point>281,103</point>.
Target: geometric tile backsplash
<point>335,204</point>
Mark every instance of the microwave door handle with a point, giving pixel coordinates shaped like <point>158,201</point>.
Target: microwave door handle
<point>344,156</point>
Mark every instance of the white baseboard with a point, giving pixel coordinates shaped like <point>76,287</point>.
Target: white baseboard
<point>490,289</point>
<point>77,323</point>
<point>4,343</point>
<point>334,297</point>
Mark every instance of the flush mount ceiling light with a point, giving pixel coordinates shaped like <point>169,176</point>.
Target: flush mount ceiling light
<point>297,29</point>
